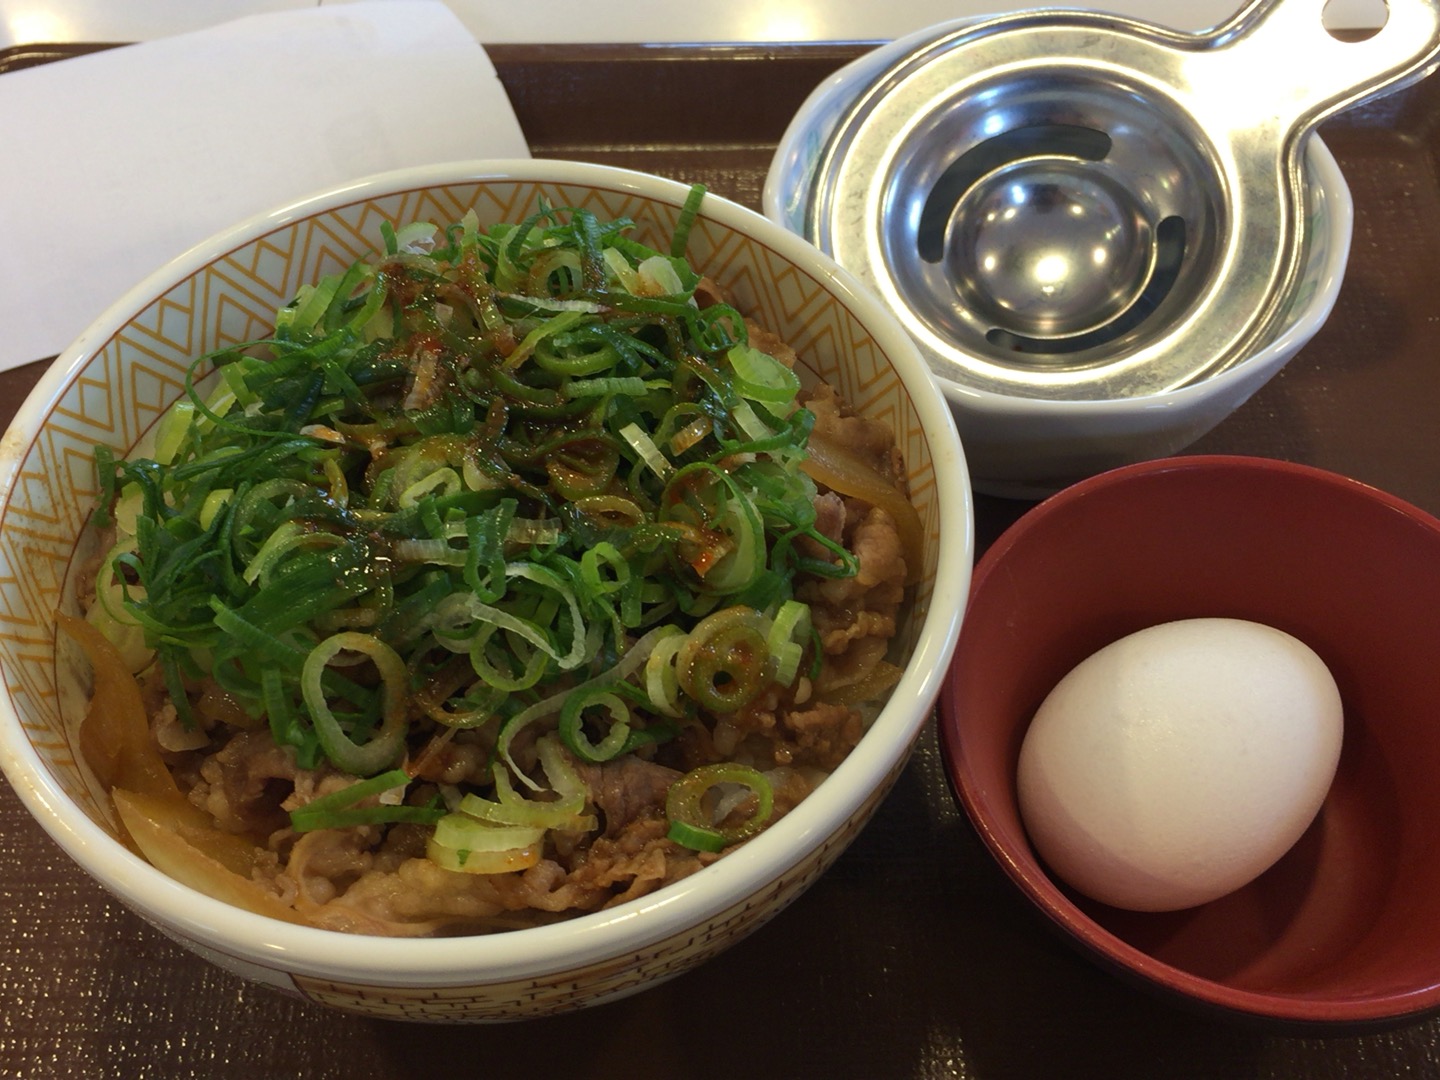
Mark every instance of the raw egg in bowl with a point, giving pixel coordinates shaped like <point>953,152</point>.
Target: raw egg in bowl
<point>1339,933</point>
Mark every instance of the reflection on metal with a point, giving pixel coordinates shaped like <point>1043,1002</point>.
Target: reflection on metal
<point>1075,205</point>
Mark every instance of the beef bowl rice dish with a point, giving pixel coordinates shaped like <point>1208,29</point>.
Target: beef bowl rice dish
<point>523,555</point>
<point>444,599</point>
<point>514,575</point>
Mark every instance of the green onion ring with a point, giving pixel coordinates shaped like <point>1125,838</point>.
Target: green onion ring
<point>389,741</point>
<point>724,664</point>
<point>572,730</point>
<point>689,824</point>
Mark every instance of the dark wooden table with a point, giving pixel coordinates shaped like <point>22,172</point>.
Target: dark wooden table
<point>911,957</point>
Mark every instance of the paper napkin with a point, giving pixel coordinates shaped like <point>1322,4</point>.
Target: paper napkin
<point>113,163</point>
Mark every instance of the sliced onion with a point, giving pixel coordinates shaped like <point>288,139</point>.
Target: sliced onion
<point>180,841</point>
<point>843,471</point>
<point>115,734</point>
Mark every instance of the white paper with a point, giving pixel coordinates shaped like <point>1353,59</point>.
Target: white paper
<point>496,22</point>
<point>114,163</point>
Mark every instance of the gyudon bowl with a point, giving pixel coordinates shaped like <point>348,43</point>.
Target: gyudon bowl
<point>113,386</point>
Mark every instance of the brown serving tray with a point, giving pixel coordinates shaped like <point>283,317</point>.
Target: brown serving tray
<point>912,957</point>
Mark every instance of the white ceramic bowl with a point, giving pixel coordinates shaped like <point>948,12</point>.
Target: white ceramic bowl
<point>1030,447</point>
<point>112,384</point>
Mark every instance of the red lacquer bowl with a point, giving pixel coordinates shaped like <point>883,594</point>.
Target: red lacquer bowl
<point>1344,932</point>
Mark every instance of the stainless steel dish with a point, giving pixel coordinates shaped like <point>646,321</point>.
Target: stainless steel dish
<point>1075,205</point>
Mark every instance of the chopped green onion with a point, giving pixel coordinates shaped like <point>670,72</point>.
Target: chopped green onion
<point>595,561</point>
<point>691,822</point>
<point>633,659</point>
<point>662,685</point>
<point>385,747</point>
<point>688,215</point>
<point>791,628</point>
<point>696,837</point>
<point>738,568</point>
<point>760,377</point>
<point>515,480</point>
<point>585,388</point>
<point>339,809</point>
<point>467,845</point>
<point>750,422</point>
<point>172,430</point>
<point>617,720</point>
<point>649,453</point>
<point>724,663</point>
<point>566,813</point>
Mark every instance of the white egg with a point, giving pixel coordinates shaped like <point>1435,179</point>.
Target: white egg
<point>1179,763</point>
